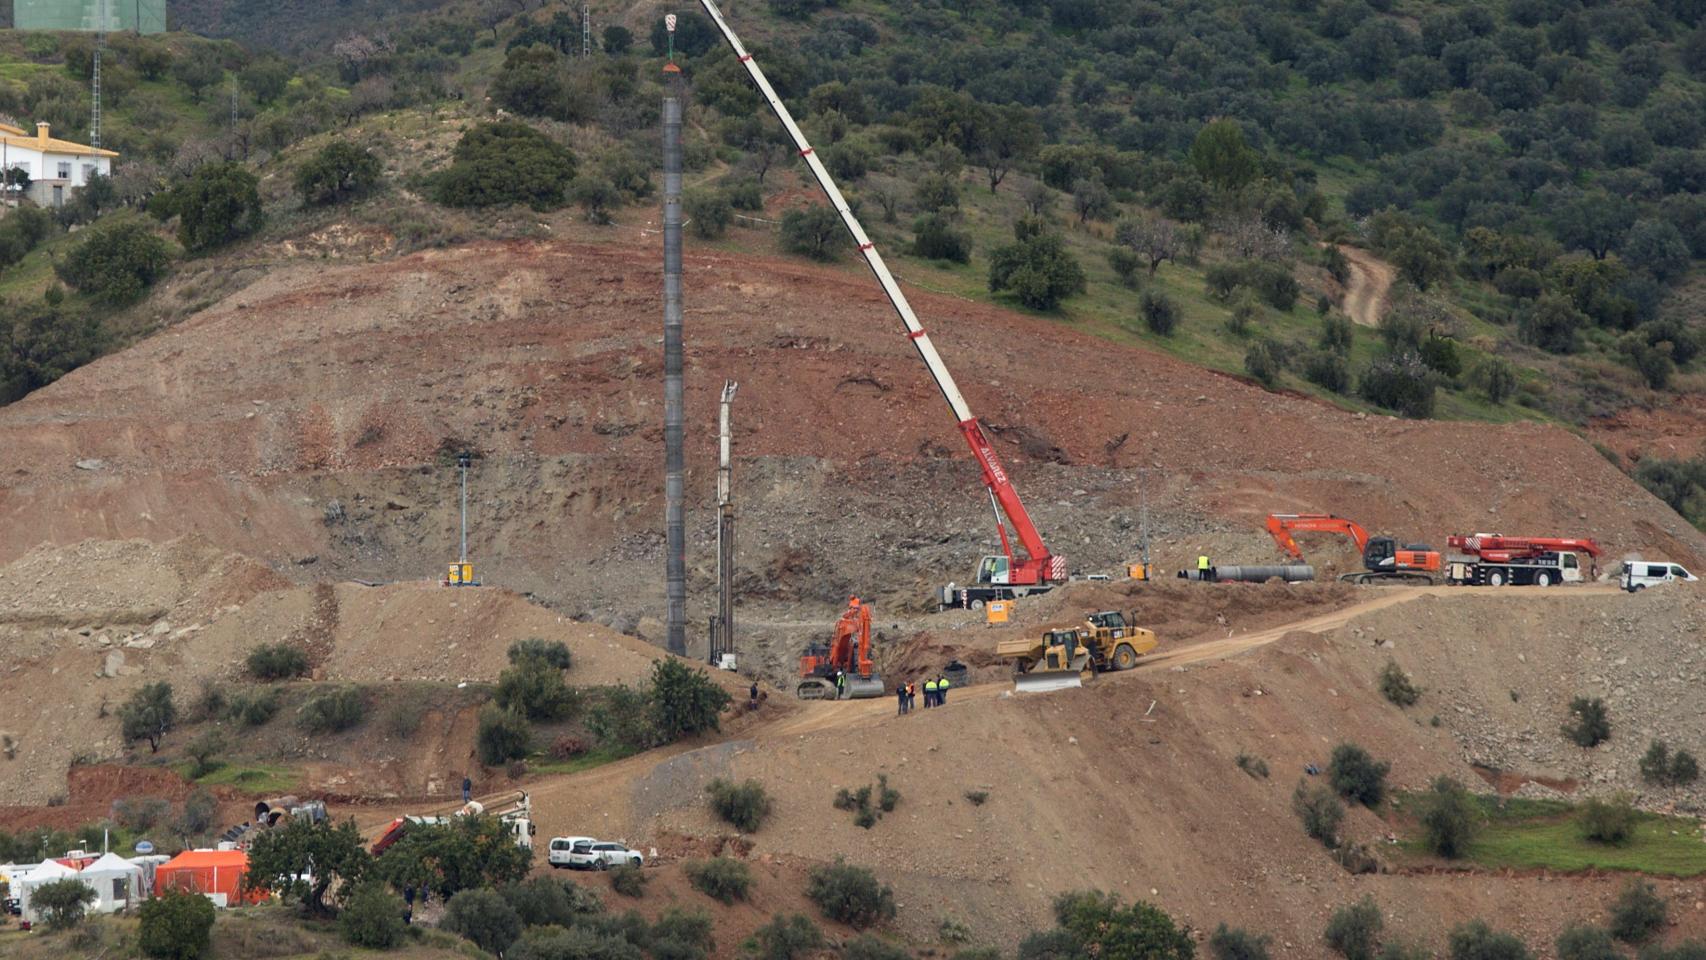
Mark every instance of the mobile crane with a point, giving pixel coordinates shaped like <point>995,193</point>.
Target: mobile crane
<point>1382,559</point>
<point>847,658</point>
<point>1495,560</point>
<point>1010,575</point>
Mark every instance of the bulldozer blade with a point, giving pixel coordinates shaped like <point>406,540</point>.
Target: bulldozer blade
<point>1045,682</point>
<point>858,689</point>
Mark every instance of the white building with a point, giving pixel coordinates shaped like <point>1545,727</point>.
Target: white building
<point>56,168</point>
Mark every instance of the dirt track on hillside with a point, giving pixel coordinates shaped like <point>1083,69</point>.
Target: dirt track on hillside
<point>1368,292</point>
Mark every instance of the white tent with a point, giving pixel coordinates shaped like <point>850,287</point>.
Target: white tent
<point>117,883</point>
<point>25,884</point>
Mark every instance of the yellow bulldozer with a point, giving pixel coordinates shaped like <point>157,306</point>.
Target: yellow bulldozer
<point>1060,658</point>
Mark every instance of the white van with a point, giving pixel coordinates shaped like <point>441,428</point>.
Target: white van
<point>1639,574</point>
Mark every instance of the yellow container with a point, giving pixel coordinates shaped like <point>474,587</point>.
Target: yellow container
<point>460,574</point>
<point>997,611</point>
<point>1137,571</point>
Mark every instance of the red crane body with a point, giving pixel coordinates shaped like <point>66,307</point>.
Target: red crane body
<point>1495,548</point>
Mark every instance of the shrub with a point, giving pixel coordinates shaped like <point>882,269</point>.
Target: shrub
<point>1099,925</point>
<point>535,689</point>
<point>62,902</point>
<point>148,714</point>
<point>403,717</point>
<point>1356,776</point>
<point>815,231</point>
<point>1590,723</point>
<point>252,708</point>
<point>1477,941</point>
<point>553,652</point>
<point>786,937</point>
<point>1447,816</point>
<point>1038,270</point>
<point>1272,282</point>
<point>202,751</point>
<point>339,171</point>
<point>176,926</point>
<point>483,917</point>
<point>543,901</point>
<point>849,894</point>
<point>1252,765</point>
<point>1319,810</point>
<point>868,947</point>
<point>1230,943</point>
<point>1125,263</point>
<point>1354,930</point>
<point>25,227</point>
<point>502,735</point>
<point>1440,355</point>
<point>1582,942</point>
<point>622,718</point>
<point>887,796</point>
<point>116,263</point>
<point>745,195</point>
<point>372,917</point>
<point>1160,312</point>
<point>684,701</point>
<point>596,195</point>
<point>977,797</point>
<point>276,661</point>
<point>745,805</point>
<point>629,880</point>
<point>721,878</point>
<point>1497,378</point>
<point>1662,768</point>
<point>708,213</point>
<point>1638,912</point>
<point>140,814</point>
<point>218,204</point>
<point>933,237</point>
<point>1396,687</point>
<point>568,748</point>
<point>1607,821</point>
<point>1401,382</point>
<point>333,711</point>
<point>1328,370</point>
<point>935,193</point>
<point>1263,362</point>
<point>505,162</point>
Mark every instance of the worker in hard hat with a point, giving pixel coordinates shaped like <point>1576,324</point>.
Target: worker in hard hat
<point>1205,570</point>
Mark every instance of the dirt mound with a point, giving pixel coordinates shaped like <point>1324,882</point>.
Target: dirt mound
<point>87,625</point>
<point>325,401</point>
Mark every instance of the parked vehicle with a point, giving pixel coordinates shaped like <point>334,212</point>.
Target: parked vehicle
<point>561,847</point>
<point>1639,574</point>
<point>602,855</point>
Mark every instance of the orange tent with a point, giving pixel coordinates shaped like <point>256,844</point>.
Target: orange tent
<point>216,873</point>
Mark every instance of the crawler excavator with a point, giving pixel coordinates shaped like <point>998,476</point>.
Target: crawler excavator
<point>1032,570</point>
<point>847,659</point>
<point>1383,560</point>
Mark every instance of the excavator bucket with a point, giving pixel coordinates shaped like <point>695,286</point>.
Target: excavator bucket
<point>1042,680</point>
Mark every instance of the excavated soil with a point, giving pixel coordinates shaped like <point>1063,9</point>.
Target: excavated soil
<point>308,421</point>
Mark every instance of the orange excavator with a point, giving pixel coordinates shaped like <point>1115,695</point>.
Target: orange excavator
<point>843,670</point>
<point>1383,560</point>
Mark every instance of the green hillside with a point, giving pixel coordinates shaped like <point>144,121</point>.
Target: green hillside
<point>1177,173</point>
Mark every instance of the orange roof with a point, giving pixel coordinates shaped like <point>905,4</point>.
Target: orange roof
<point>190,859</point>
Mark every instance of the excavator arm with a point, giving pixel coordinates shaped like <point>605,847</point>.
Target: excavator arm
<point>1281,526</point>
<point>1038,565</point>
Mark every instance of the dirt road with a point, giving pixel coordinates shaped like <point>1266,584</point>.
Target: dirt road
<point>1366,293</point>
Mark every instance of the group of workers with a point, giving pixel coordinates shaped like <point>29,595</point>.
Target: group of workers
<point>935,693</point>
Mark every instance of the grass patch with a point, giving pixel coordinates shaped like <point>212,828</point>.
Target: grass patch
<point>596,757</point>
<point>1545,834</point>
<point>248,777</point>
